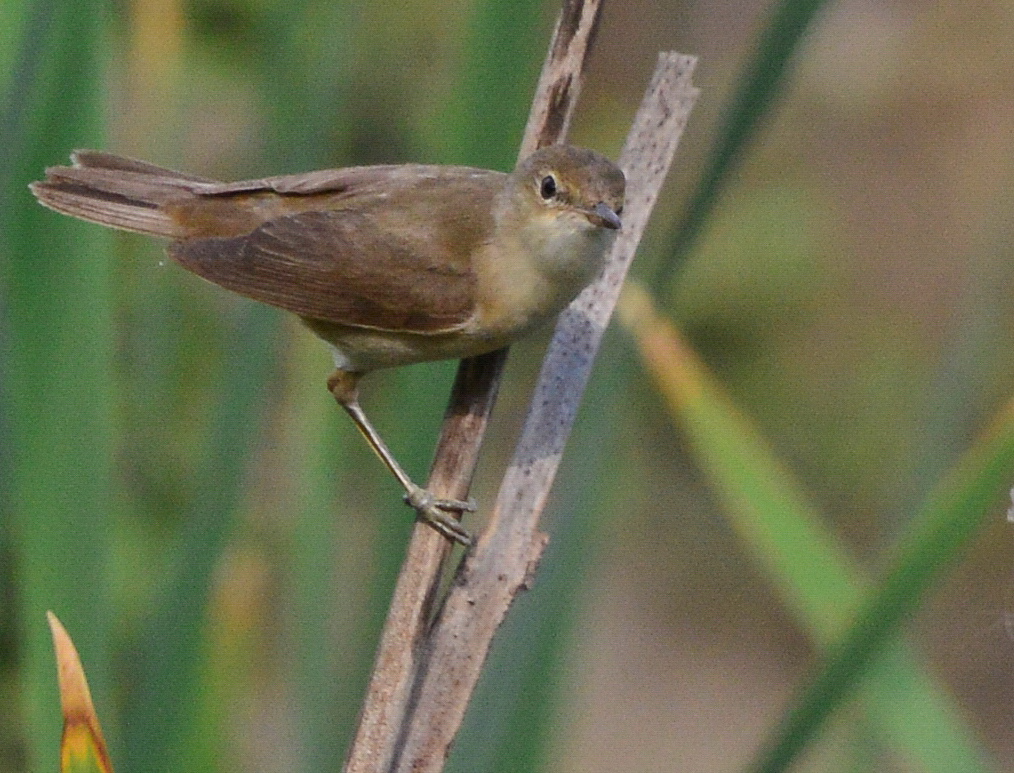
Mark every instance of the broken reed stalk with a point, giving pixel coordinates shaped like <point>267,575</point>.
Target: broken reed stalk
<point>381,722</point>
<point>503,561</point>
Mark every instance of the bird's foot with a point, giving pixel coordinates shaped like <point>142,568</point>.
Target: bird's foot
<point>437,513</point>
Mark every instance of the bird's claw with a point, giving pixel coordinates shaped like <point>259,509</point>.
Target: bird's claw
<point>436,512</point>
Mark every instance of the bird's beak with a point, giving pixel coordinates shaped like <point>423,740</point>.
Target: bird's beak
<point>603,216</point>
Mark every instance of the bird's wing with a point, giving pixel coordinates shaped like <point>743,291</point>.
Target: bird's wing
<point>343,266</point>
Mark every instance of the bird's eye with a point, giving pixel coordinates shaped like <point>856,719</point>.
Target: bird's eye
<point>547,188</point>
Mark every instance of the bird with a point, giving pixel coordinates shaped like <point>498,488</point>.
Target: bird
<point>390,264</point>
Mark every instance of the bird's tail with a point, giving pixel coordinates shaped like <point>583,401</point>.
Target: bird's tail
<point>117,192</point>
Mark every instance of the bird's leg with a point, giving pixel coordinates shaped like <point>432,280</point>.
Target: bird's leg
<point>344,385</point>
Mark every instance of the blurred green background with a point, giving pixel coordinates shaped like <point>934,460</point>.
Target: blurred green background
<point>180,489</point>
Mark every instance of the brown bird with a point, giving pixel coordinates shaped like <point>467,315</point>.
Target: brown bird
<point>390,265</point>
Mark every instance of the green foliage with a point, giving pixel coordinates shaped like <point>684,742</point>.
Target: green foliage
<point>933,540</point>
<point>822,586</point>
<point>180,489</point>
<point>60,493</point>
<point>757,90</point>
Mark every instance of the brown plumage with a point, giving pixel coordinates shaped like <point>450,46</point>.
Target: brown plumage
<point>388,264</point>
<point>301,242</point>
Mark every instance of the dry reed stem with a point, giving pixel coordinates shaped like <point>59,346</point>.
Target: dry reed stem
<point>381,721</point>
<point>508,551</point>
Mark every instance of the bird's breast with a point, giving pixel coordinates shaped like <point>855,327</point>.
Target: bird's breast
<point>529,275</point>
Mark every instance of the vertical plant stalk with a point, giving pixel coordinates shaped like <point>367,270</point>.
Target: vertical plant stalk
<point>465,421</point>
<point>756,90</point>
<point>506,555</point>
<point>57,374</point>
